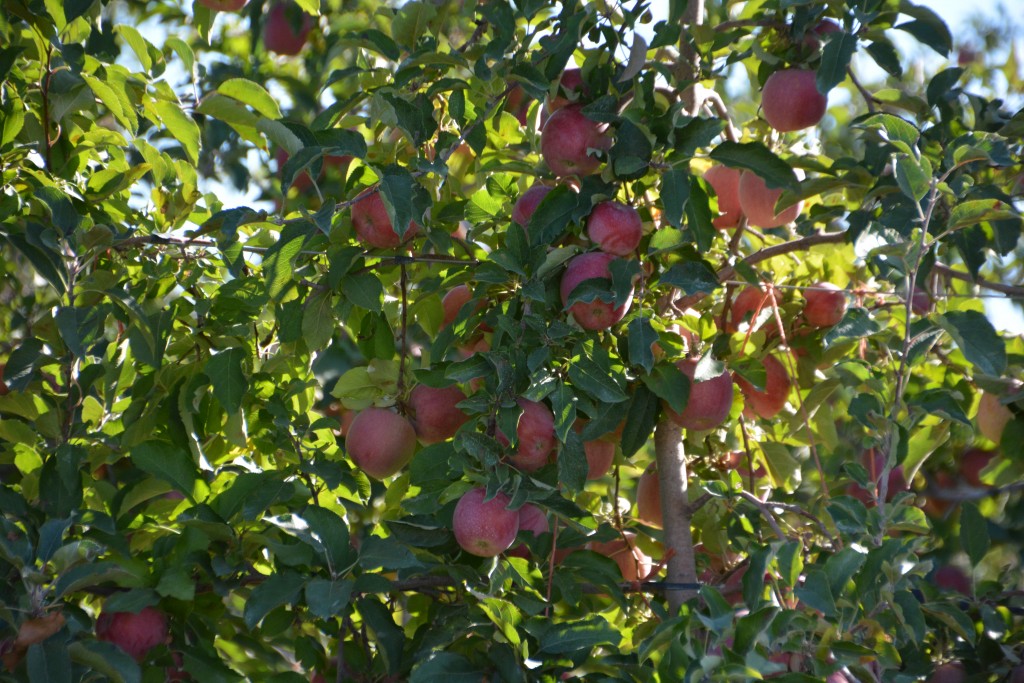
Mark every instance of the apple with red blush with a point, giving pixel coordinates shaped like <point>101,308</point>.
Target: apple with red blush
<point>758,202</point>
<point>615,228</point>
<point>790,100</point>
<point>633,562</point>
<point>134,632</point>
<point>286,28</point>
<point>725,182</point>
<point>568,142</point>
<point>709,402</point>
<point>596,314</point>
<point>435,411</point>
<point>373,225</point>
<point>223,5</point>
<point>768,401</point>
<point>825,304</point>
<point>380,442</point>
<point>484,527</point>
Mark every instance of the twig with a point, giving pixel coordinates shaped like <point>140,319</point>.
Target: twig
<point>765,512</point>
<point>869,99</point>
<point>1010,290</point>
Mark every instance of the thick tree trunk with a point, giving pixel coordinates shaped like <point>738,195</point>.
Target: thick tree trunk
<point>676,514</point>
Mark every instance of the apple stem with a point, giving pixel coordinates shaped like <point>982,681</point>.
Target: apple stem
<point>676,513</point>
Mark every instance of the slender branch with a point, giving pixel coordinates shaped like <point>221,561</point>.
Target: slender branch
<point>869,99</point>
<point>1010,290</point>
<point>765,512</point>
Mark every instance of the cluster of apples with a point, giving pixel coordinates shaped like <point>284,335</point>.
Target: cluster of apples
<point>286,28</point>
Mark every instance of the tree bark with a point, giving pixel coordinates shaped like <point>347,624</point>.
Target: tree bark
<point>676,515</point>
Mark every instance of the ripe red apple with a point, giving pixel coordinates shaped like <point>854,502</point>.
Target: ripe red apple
<point>874,463</point>
<point>633,562</point>
<point>615,228</point>
<point>279,35</point>
<point>791,101</point>
<point>453,301</point>
<point>532,520</point>
<point>517,103</point>
<point>483,528</point>
<point>725,182</point>
<point>992,417</point>
<point>709,402</point>
<point>648,497</point>
<point>436,416</point>
<point>380,442</point>
<point>567,140</point>
<point>825,304</point>
<point>536,434</point>
<point>769,402</point>
<point>812,39</point>
<point>922,303</point>
<point>972,462</point>
<point>600,455</point>
<point>746,305</point>
<point>223,5</point>
<point>373,226</point>
<point>570,89</point>
<point>758,203</point>
<point>950,578</point>
<point>527,203</point>
<point>134,632</point>
<point>950,672</point>
<point>596,314</point>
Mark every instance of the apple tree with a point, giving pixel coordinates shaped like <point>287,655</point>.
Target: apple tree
<point>517,340</point>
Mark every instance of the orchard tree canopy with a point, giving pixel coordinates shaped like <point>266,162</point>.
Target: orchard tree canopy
<point>511,340</point>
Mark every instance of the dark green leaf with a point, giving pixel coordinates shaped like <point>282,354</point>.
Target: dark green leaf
<point>227,378</point>
<point>699,216</point>
<point>389,637</point>
<point>675,193</point>
<point>404,199</point>
<point>49,662</point>
<point>977,210</point>
<point>856,324</point>
<point>448,667</point>
<point>574,638</point>
<point>278,589</point>
<point>942,403</point>
<point>572,463</point>
<point>899,133</point>
<point>330,533</point>
<point>910,611</point>
<point>640,420</point>
<point>641,337</point>
<point>835,59</point>
<point>166,461</point>
<point>21,364</point>
<point>693,277</point>
<point>631,153</point>
<point>974,537</point>
<point>841,567</point>
<point>107,659</point>
<point>364,290</point>
<point>47,262</point>
<point>885,56</point>
<point>553,215</point>
<point>928,28</point>
<point>914,180</point>
<point>596,380</point>
<point>753,156</point>
<point>668,383</point>
<point>62,211</point>
<point>815,592</point>
<point>978,340</point>
<point>327,599</point>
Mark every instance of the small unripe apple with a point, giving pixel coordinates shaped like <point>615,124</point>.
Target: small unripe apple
<point>725,182</point>
<point>134,632</point>
<point>279,35</point>
<point>615,228</point>
<point>223,5</point>
<point>648,497</point>
<point>826,304</point>
<point>373,225</point>
<point>534,521</point>
<point>950,672</point>
<point>484,528</point>
<point>992,417</point>
<point>536,434</point>
<point>758,203</point>
<point>567,140</point>
<point>633,562</point>
<point>596,314</point>
<point>746,305</point>
<point>571,88</point>
<point>380,442</point>
<point>527,203</point>
<point>436,415</point>
<point>709,402</point>
<point>767,403</point>
<point>791,101</point>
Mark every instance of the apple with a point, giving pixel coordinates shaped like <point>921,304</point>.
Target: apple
<point>223,5</point>
<point>972,462</point>
<point>874,463</point>
<point>1017,675</point>
<point>812,39</point>
<point>484,528</point>
<point>436,416</point>
<point>536,434</point>
<point>992,417</point>
<point>570,89</point>
<point>134,632</point>
<point>790,100</point>
<point>633,562</point>
<point>280,35</point>
<point>725,182</point>
<point>615,228</point>
<point>532,520</point>
<point>950,578</point>
<point>709,402</point>
<point>950,672</point>
<point>453,301</point>
<point>568,138</point>
<point>767,403</point>
<point>746,304</point>
<point>921,303</point>
<point>4,389</point>
<point>303,182</point>
<point>373,225</point>
<point>648,497</point>
<point>600,455</point>
<point>527,203</point>
<point>380,442</point>
<point>596,314</point>
<point>758,203</point>
<point>825,304</point>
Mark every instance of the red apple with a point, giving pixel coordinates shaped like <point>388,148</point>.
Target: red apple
<point>380,442</point>
<point>648,497</point>
<point>600,454</point>
<point>748,303</point>
<point>825,304</point>
<point>4,389</point>
<point>791,101</point>
<point>436,416</point>
<point>532,520</point>
<point>874,463</point>
<point>527,203</point>
<point>567,140</point>
<point>303,182</point>
<point>596,314</point>
<point>758,203</point>
<point>767,403</point>
<point>725,182</point>
<point>992,417</point>
<point>633,562</point>
<point>483,528</point>
<point>134,632</point>
<point>972,462</point>
<point>950,672</point>
<point>453,301</point>
<point>709,402</point>
<point>517,103</point>
<point>950,578</point>
<point>615,228</point>
<point>223,5</point>
<point>922,303</point>
<point>373,225</point>
<point>536,434</point>
<point>570,89</point>
<point>280,35</point>
<point>812,39</point>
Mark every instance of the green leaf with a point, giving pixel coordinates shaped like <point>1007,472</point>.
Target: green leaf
<point>181,126</point>
<point>856,324</point>
<point>62,211</point>
<point>911,614</point>
<point>835,59</point>
<point>631,154</point>
<point>790,562</point>
<point>928,27</point>
<point>641,337</point>
<point>318,324</point>
<point>252,94</point>
<point>95,574</point>
<point>783,468</point>
<point>49,662</point>
<point>675,194</point>
<point>505,616</point>
<point>448,667</point>
<point>640,420</point>
<point>572,463</point>
<point>46,262</point>
<point>177,583</point>
<point>139,45</point>
<point>328,599</point>
<point>841,567</point>
<point>309,6</point>
<point>913,177</point>
<point>257,489</point>
<point>978,340</point>
<point>974,538</point>
<point>668,383</point>
<point>330,534</point>
<point>411,22</point>
<point>699,216</point>
<point>885,56</point>
<point>278,589</point>
<point>227,378</point>
<point>166,461</point>
<point>553,215</point>
<point>404,199</point>
<point>899,133</point>
<point>753,156</point>
<point>978,210</point>
<point>107,659</point>
<point>596,380</point>
<point>578,638</point>
<point>388,636</point>
<point>815,592</point>
<point>693,277</point>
